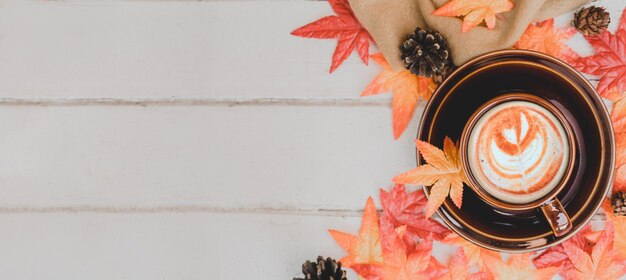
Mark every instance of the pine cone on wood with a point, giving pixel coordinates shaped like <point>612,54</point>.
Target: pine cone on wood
<point>327,269</point>
<point>425,52</point>
<point>447,69</point>
<point>591,20</point>
<point>618,201</point>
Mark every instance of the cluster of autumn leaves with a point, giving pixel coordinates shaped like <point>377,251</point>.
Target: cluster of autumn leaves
<point>398,244</point>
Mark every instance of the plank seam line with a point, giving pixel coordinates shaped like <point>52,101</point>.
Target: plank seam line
<point>183,209</point>
<point>223,102</point>
<point>197,209</point>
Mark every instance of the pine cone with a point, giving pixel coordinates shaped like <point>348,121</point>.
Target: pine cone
<point>425,52</point>
<point>327,269</point>
<point>618,201</point>
<point>591,20</point>
<point>447,69</point>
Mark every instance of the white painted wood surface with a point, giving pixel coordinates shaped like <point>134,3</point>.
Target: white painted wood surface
<point>183,139</point>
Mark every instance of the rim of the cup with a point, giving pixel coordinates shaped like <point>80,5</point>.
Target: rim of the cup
<point>463,150</point>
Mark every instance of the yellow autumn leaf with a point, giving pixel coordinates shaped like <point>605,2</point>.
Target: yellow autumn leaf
<point>485,259</point>
<point>520,267</point>
<point>475,11</point>
<point>443,172</point>
<point>364,248</point>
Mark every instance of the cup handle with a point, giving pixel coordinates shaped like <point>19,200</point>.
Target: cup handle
<point>557,217</point>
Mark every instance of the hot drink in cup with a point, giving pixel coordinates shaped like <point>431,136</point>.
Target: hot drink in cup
<point>517,152</point>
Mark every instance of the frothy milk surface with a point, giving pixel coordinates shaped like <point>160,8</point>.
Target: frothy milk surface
<point>518,151</point>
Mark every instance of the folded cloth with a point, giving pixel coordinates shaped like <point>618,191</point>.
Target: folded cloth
<point>389,21</point>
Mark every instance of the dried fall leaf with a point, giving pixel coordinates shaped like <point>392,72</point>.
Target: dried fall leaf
<point>619,177</point>
<point>364,248</point>
<point>368,271</point>
<point>618,118</point>
<point>459,269</point>
<point>435,270</point>
<point>601,264</point>
<point>619,227</point>
<point>609,60</point>
<point>443,171</point>
<point>475,11</point>
<point>401,260</point>
<point>613,94</point>
<point>407,89</point>
<point>520,267</point>
<point>345,28</point>
<point>404,208</point>
<point>556,257</point>
<point>378,84</point>
<point>483,258</point>
<point>543,37</point>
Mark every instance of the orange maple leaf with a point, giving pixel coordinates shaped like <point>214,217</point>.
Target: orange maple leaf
<point>520,267</point>
<point>459,269</point>
<point>602,263</point>
<point>407,90</point>
<point>364,248</point>
<point>619,227</point>
<point>483,258</point>
<point>543,37</point>
<point>555,256</point>
<point>443,171</point>
<point>378,84</point>
<point>475,11</point>
<point>618,118</point>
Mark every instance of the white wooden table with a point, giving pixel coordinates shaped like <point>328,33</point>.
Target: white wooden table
<point>184,139</point>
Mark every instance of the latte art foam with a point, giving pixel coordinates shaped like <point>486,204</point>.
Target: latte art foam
<point>518,151</point>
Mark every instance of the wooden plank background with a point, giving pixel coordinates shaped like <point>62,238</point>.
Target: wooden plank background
<point>184,139</point>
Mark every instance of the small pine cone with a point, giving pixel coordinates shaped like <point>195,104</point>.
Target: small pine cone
<point>327,269</point>
<point>447,69</point>
<point>618,201</point>
<point>425,52</point>
<point>591,20</point>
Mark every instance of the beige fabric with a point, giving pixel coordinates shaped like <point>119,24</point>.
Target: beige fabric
<point>388,21</point>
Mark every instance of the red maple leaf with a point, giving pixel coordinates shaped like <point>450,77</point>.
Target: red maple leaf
<point>344,27</point>
<point>407,209</point>
<point>401,261</point>
<point>609,61</point>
